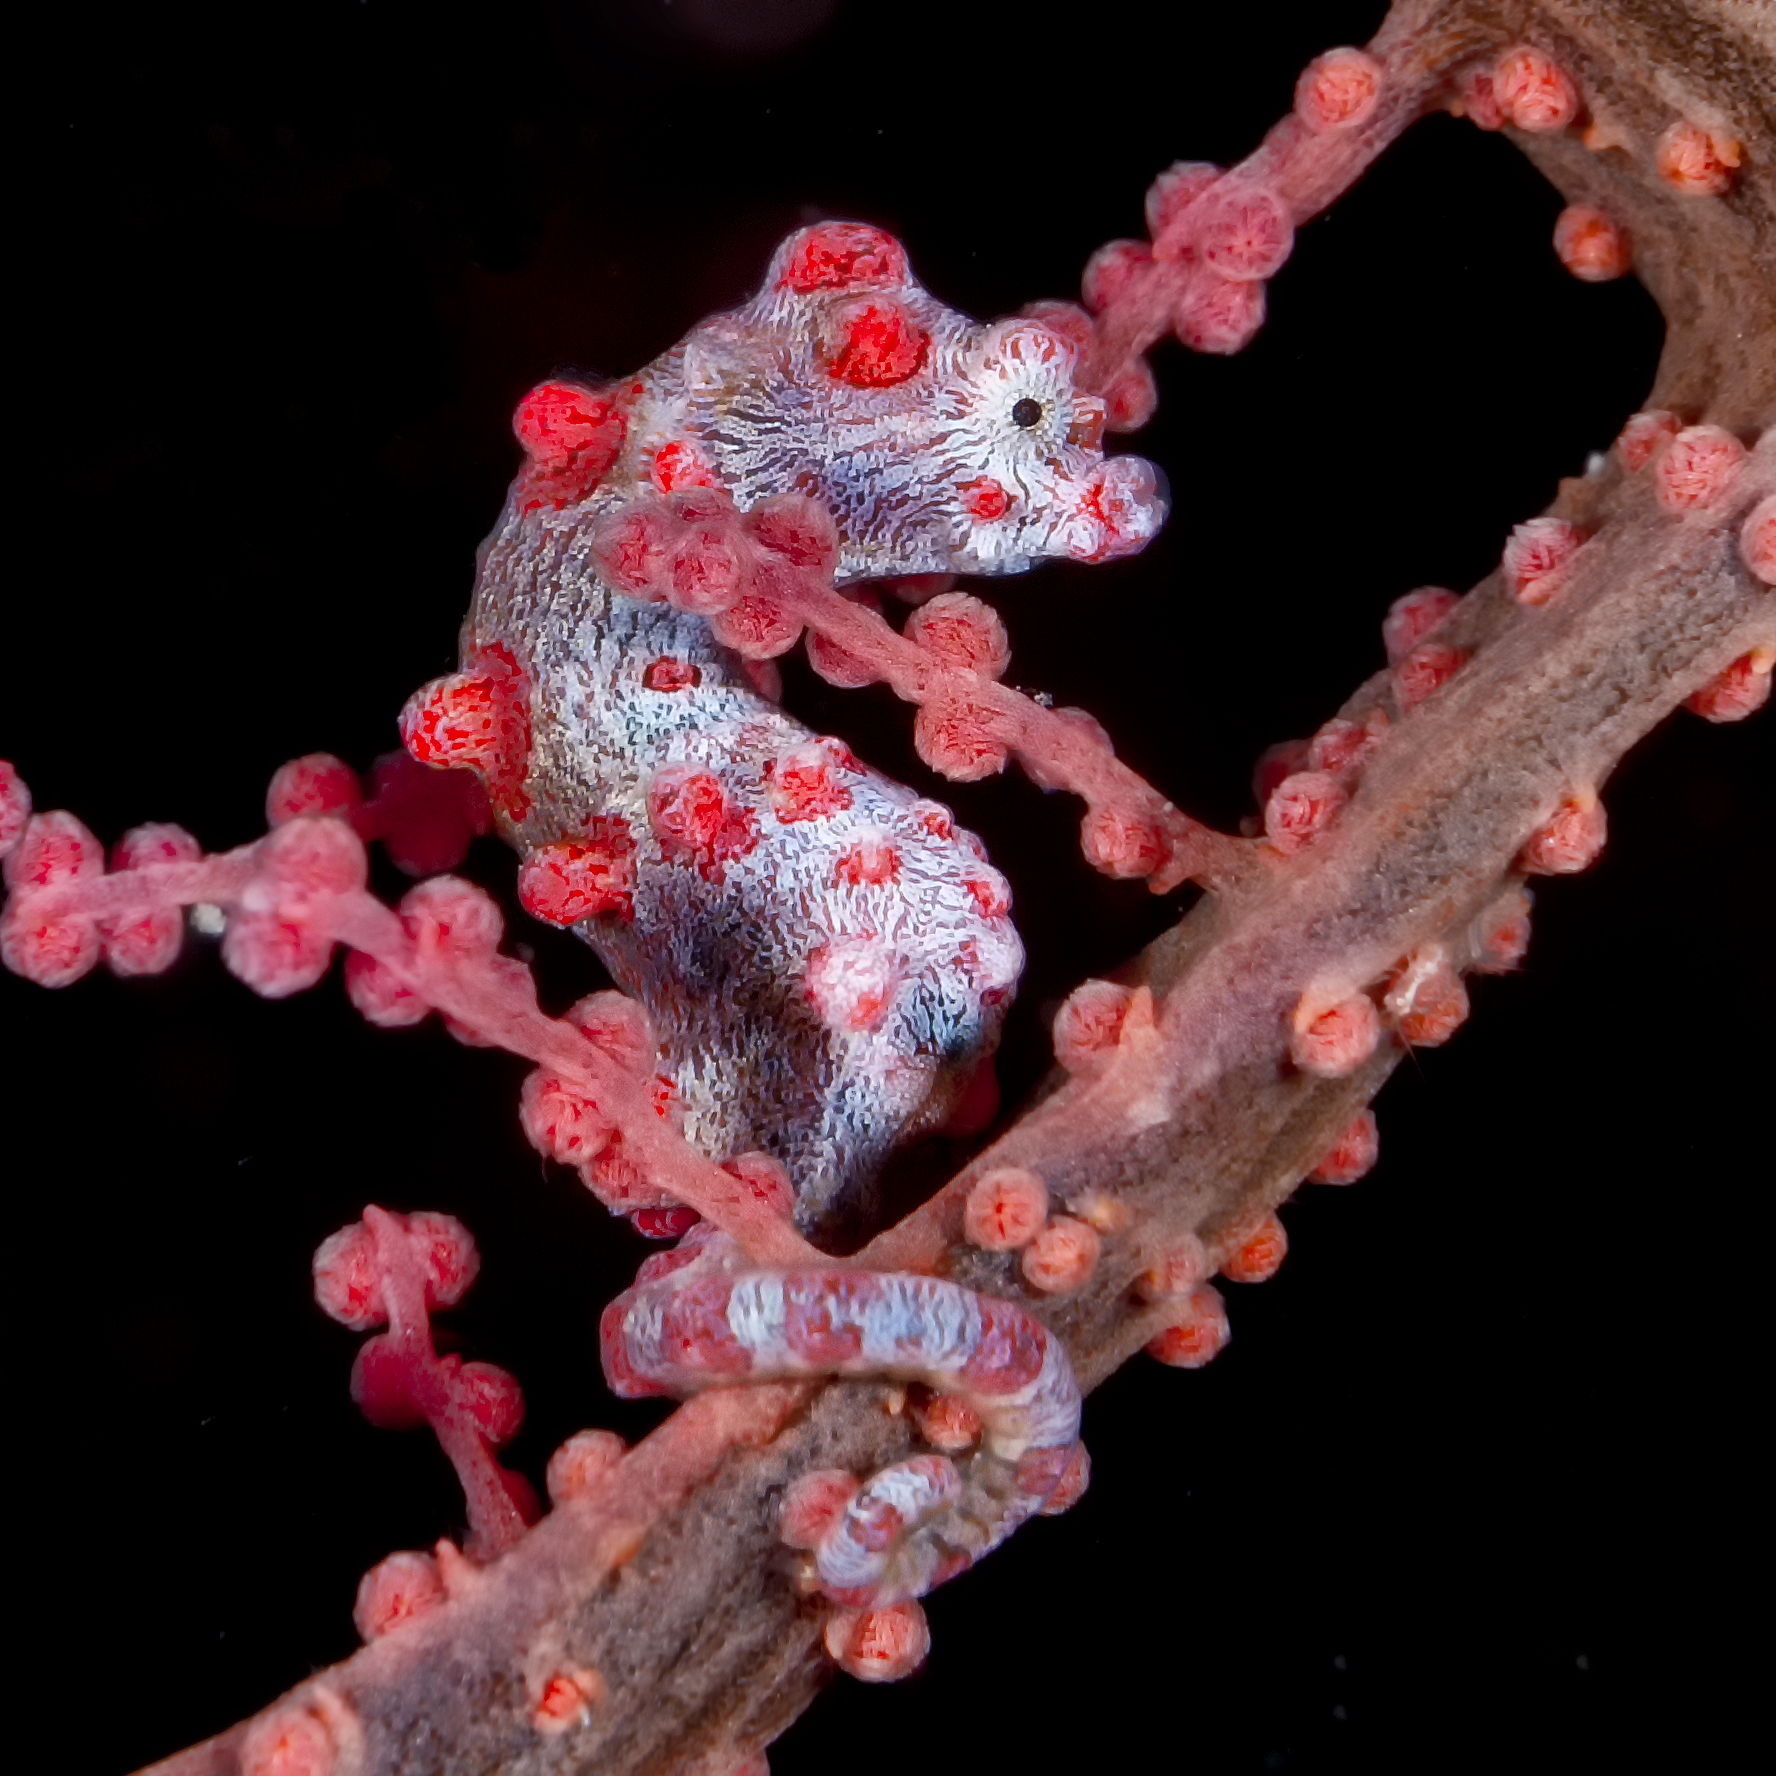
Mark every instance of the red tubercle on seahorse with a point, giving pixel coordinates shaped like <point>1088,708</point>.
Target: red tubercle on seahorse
<point>843,256</point>
<point>479,718</point>
<point>589,876</point>
<point>695,821</point>
<point>800,785</point>
<point>874,343</point>
<point>679,465</point>
<point>572,436</point>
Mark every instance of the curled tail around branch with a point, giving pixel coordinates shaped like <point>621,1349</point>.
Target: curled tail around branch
<point>693,1320</point>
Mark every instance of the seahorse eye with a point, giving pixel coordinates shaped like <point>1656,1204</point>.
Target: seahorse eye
<point>1026,413</point>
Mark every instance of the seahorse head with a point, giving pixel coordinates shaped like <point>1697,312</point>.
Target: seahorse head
<point>938,444</point>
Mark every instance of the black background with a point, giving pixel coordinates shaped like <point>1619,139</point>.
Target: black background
<point>1471,1485</point>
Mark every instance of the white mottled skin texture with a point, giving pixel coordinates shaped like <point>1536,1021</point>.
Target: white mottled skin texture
<point>692,1322</point>
<point>720,957</point>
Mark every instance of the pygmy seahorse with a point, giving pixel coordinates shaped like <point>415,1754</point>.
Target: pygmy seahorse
<point>825,956</point>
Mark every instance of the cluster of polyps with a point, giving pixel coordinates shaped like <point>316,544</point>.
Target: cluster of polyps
<point>1526,87</point>
<point>393,1270</point>
<point>1304,786</point>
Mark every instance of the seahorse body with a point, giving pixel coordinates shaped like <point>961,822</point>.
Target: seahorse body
<point>825,956</point>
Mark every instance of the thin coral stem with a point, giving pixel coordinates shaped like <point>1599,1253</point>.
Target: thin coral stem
<point>1066,757</point>
<point>1304,168</point>
<point>483,994</point>
<point>494,1518</point>
<point>483,1000</point>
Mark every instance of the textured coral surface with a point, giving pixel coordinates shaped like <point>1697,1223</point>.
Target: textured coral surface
<point>1473,1453</point>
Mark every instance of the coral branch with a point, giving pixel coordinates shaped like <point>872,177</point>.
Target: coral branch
<point>654,1620</point>
<point>298,892</point>
<point>392,1270</point>
<point>948,663</point>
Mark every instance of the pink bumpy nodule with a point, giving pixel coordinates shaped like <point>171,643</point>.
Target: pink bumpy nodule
<point>15,807</point>
<point>276,942</point>
<point>565,1699</point>
<point>1645,435</point>
<point>148,944</point>
<point>961,631</point>
<point>1352,1155</point>
<point>1591,245</point>
<point>581,1464</point>
<point>1338,90</point>
<point>1197,1335</point>
<point>1538,558</point>
<point>1337,1040</point>
<point>49,851</point>
<point>880,1645</point>
<point>1498,939</point>
<point>1697,469</point>
<point>1218,315</point>
<point>1242,230</point>
<point>1757,541</point>
<point>395,1592</point>
<point>1302,808</point>
<point>1260,1252</point>
<point>1533,91</point>
<point>317,783</point>
<point>1569,841</point>
<point>289,1741</point>
<point>1742,690</point>
<point>1177,1272</point>
<point>1089,1024</point>
<point>1413,616</point>
<point>1062,1257</point>
<point>1424,671</point>
<point>1697,162</point>
<point>1436,1009</point>
<point>1005,1209</point>
<point>1343,747</point>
